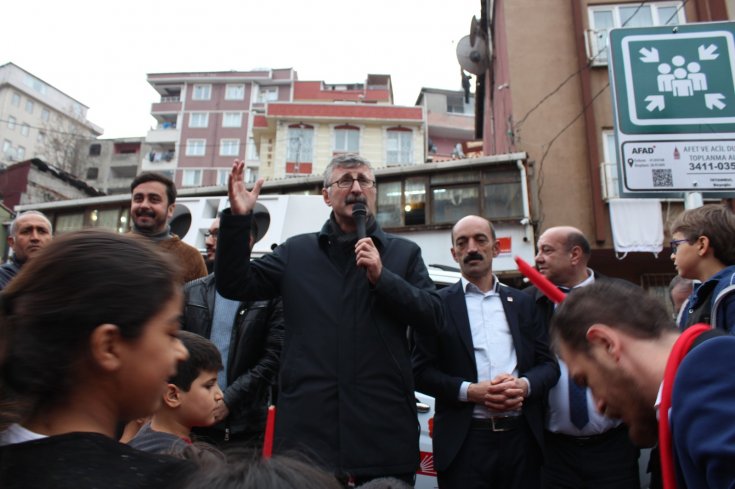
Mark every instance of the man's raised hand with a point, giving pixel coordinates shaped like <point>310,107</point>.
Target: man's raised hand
<point>242,201</point>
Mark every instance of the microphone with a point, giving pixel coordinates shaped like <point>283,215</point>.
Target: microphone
<point>359,214</point>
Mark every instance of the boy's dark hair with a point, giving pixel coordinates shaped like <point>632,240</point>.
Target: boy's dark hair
<point>617,304</point>
<point>203,357</point>
<point>149,176</point>
<point>714,221</point>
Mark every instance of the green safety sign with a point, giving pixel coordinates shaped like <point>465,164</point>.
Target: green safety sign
<point>674,102</point>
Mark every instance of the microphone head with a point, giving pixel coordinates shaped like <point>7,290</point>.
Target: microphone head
<point>359,209</point>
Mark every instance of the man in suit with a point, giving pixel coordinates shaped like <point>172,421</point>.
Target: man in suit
<point>489,368</point>
<point>583,448</point>
<point>619,341</point>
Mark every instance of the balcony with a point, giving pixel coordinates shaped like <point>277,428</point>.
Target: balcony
<point>167,105</point>
<point>164,133</point>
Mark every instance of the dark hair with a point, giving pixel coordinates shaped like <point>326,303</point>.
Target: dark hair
<point>79,281</point>
<point>149,176</point>
<point>614,303</point>
<point>714,221</point>
<point>255,472</point>
<point>203,357</point>
<point>575,238</point>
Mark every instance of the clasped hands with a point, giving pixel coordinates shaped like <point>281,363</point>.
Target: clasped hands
<point>503,393</point>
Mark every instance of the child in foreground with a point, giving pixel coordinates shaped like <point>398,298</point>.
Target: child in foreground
<point>88,336</point>
<point>190,400</point>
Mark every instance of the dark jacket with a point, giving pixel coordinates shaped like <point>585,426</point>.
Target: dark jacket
<point>255,348</point>
<point>346,393</point>
<point>8,270</point>
<point>444,360</point>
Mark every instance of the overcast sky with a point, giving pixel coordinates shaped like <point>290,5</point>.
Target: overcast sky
<point>100,52</point>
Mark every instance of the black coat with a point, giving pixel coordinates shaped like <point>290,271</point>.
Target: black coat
<point>346,393</point>
<point>253,359</point>
<point>444,360</point>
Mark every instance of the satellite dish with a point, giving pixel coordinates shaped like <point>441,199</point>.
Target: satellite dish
<point>473,57</point>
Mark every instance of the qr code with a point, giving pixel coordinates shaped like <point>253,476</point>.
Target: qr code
<point>662,178</point>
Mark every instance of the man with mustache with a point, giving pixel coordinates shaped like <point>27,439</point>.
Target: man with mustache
<point>489,368</point>
<point>151,207</point>
<point>346,393</point>
<point>29,233</point>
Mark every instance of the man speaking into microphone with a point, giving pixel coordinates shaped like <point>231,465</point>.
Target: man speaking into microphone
<point>350,291</point>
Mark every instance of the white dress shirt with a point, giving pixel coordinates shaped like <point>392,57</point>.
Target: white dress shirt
<point>491,340</point>
<point>557,419</point>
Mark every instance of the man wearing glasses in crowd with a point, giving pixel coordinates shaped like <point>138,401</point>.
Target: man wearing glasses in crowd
<point>346,386</point>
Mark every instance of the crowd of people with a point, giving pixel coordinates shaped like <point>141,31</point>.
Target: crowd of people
<point>123,363</point>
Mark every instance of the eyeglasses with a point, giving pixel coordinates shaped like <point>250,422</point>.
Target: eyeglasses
<point>213,234</point>
<point>348,182</point>
<point>674,243</point>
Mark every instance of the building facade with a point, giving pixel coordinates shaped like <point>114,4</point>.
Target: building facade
<point>205,121</point>
<point>39,121</point>
<point>546,93</point>
<point>450,122</point>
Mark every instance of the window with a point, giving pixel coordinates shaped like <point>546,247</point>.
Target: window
<point>198,119</point>
<point>25,129</point>
<point>11,123</point>
<point>252,153</point>
<point>95,149</point>
<point>450,204</point>
<point>300,148</point>
<point>7,148</point>
<point>202,92</point>
<point>29,106</point>
<point>45,114</point>
<point>20,152</point>
<point>268,94</point>
<point>222,176</point>
<point>503,197</point>
<point>229,147</point>
<point>92,173</point>
<point>402,203</point>
<point>196,147</point>
<point>232,119</point>
<point>602,18</point>
<point>399,146</point>
<point>234,92</point>
<point>41,137</point>
<point>389,204</point>
<point>609,167</point>
<point>346,139</point>
<point>191,178</point>
<point>15,99</point>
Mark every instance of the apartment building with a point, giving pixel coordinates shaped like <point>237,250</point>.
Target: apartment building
<point>39,121</point>
<point>546,93</point>
<point>450,122</point>
<point>205,121</point>
<point>300,137</point>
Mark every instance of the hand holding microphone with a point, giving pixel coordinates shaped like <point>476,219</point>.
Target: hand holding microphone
<point>366,253</point>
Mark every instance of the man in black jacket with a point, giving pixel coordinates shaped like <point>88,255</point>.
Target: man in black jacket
<point>489,368</point>
<point>346,394</point>
<point>249,336</point>
<point>583,448</point>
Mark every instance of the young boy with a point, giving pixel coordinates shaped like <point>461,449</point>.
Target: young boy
<point>190,400</point>
<point>703,249</point>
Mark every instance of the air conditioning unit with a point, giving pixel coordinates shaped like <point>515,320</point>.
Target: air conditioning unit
<point>609,180</point>
<point>596,43</point>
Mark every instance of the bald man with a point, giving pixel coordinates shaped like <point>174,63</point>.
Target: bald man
<point>582,448</point>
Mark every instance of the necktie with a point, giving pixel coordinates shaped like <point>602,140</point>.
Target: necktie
<point>578,404</point>
<point>578,413</point>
